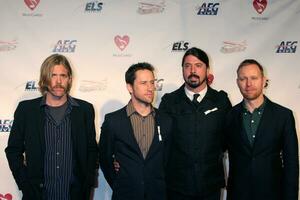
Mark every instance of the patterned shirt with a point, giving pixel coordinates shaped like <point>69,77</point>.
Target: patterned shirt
<point>143,127</point>
<point>58,162</point>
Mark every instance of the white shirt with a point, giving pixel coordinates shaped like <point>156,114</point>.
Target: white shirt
<point>190,94</point>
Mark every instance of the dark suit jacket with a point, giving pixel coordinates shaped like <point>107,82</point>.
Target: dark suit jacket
<point>27,136</point>
<point>195,164</point>
<point>138,178</point>
<point>269,170</point>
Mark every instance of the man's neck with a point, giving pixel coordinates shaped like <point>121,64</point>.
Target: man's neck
<point>197,89</point>
<point>142,108</point>
<point>251,105</point>
<point>55,101</point>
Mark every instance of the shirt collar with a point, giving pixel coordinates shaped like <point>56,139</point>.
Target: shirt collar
<point>190,94</point>
<point>258,109</point>
<point>131,110</point>
<point>71,101</point>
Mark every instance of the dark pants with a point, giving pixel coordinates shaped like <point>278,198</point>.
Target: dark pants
<point>173,195</point>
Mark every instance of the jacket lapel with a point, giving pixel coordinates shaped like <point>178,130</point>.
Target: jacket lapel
<point>75,126</point>
<point>241,130</point>
<point>128,136</point>
<point>263,125</point>
<point>40,116</point>
<point>155,141</point>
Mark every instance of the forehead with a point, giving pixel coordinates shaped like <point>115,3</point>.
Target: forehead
<point>192,59</point>
<point>59,69</point>
<point>251,69</point>
<point>144,74</point>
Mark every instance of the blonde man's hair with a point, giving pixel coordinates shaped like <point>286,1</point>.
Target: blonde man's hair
<point>46,71</point>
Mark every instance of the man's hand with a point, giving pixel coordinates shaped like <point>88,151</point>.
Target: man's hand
<point>116,166</point>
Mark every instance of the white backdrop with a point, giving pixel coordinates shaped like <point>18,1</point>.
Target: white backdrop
<point>103,38</point>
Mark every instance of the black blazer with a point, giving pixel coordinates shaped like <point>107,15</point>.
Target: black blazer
<point>138,178</point>
<point>27,136</point>
<point>195,163</point>
<point>269,169</point>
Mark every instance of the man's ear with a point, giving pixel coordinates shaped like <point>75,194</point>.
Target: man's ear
<point>266,82</point>
<point>207,71</point>
<point>70,80</point>
<point>129,88</point>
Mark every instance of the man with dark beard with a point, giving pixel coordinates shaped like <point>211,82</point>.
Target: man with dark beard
<point>195,162</point>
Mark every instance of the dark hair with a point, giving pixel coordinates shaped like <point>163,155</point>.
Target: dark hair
<point>200,54</point>
<point>250,62</point>
<point>130,73</point>
<point>46,68</point>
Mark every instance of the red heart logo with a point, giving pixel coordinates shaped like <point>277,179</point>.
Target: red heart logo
<point>122,42</point>
<point>32,4</point>
<point>260,5</point>
<point>6,197</point>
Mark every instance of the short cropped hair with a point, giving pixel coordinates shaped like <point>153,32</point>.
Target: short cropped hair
<point>250,62</point>
<point>130,75</point>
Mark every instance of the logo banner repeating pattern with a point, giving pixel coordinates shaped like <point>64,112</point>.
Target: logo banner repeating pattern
<point>103,38</point>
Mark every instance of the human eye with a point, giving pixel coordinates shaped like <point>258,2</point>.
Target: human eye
<point>64,75</point>
<point>186,65</point>
<point>241,78</point>
<point>199,65</point>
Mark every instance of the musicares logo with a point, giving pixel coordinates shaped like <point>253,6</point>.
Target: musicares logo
<point>260,5</point>
<point>231,47</point>
<point>8,46</point>
<point>121,42</point>
<point>6,196</point>
<point>32,4</point>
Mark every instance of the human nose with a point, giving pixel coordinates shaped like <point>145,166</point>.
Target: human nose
<point>150,86</point>
<point>58,79</point>
<point>248,82</point>
<point>193,69</point>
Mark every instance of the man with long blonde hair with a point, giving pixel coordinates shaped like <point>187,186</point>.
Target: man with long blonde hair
<point>52,149</point>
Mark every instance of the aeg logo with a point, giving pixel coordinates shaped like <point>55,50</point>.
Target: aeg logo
<point>208,9</point>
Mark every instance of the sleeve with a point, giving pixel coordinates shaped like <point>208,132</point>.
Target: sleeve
<point>106,155</point>
<point>15,148</point>
<point>290,159</point>
<point>226,102</point>
<point>167,138</point>
<point>226,106</point>
<point>92,146</point>
<point>163,106</point>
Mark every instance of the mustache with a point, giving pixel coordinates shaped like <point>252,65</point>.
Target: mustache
<point>193,76</point>
<point>59,86</point>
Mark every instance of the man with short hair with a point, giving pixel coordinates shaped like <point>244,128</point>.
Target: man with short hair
<point>51,149</point>
<point>135,137</point>
<point>195,162</point>
<point>262,142</point>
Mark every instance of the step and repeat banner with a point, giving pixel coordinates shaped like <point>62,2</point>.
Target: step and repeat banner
<point>102,38</point>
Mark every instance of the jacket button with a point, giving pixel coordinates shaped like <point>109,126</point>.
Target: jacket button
<point>41,185</point>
